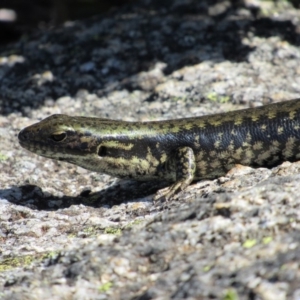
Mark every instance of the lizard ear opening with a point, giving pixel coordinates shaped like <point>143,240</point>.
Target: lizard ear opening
<point>102,151</point>
<point>58,136</point>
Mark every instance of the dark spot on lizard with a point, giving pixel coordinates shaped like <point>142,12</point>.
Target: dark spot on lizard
<point>102,151</point>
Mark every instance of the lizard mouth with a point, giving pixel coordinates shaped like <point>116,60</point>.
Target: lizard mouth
<point>24,144</point>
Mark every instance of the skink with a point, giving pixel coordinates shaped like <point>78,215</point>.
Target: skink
<point>179,151</point>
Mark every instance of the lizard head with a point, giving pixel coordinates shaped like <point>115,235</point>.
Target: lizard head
<point>92,143</point>
<point>61,137</point>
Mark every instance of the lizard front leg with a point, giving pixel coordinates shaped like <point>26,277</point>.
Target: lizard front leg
<point>185,167</point>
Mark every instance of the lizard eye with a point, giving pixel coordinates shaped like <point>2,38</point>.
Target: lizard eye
<point>58,137</point>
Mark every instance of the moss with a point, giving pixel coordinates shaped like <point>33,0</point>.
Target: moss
<point>52,254</point>
<point>249,243</point>
<point>134,223</point>
<point>105,287</point>
<point>230,295</point>
<point>21,261</point>
<point>114,231</point>
<point>71,235</point>
<point>267,240</point>
<point>206,268</point>
<point>91,229</point>
<point>14,262</point>
<point>178,99</point>
<point>3,157</point>
<point>96,230</point>
<point>214,97</point>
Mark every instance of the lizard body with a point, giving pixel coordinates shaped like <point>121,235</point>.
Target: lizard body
<point>179,151</point>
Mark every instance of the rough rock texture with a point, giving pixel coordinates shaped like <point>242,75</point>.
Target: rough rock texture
<point>67,233</point>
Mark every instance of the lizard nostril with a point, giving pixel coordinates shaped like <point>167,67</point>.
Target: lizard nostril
<point>22,135</point>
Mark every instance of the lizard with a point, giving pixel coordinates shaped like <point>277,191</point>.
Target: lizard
<point>178,151</point>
